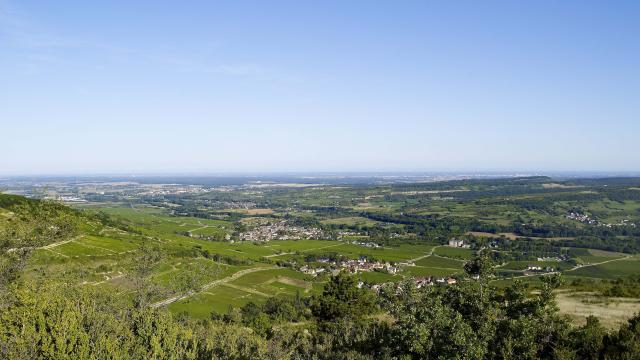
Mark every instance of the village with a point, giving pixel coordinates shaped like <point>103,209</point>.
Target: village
<point>362,265</point>
<point>583,218</point>
<point>586,219</point>
<point>280,230</point>
<point>418,282</point>
<point>368,244</point>
<point>538,269</point>
<point>351,266</point>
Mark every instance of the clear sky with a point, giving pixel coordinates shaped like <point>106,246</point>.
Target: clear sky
<point>209,86</point>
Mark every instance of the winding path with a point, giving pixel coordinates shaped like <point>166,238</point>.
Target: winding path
<point>572,269</point>
<point>234,276</point>
<point>426,255</point>
<point>303,251</point>
<point>51,246</point>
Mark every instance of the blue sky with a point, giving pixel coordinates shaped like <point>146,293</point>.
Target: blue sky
<point>207,86</point>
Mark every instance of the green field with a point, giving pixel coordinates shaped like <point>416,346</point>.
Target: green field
<point>610,270</point>
<point>441,262</point>
<point>255,287</point>
<point>186,253</point>
<point>117,253</point>
<point>459,253</point>
<point>178,264</point>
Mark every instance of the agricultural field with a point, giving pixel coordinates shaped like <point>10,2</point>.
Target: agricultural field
<point>457,253</point>
<point>609,269</point>
<point>224,285</point>
<point>186,252</point>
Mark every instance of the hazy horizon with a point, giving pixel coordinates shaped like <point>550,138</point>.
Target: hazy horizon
<point>223,87</point>
<point>326,174</point>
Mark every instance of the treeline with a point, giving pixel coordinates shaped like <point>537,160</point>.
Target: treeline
<point>431,227</point>
<point>630,245</point>
<point>628,286</point>
<point>472,183</point>
<point>613,181</point>
<point>441,228</point>
<point>528,248</point>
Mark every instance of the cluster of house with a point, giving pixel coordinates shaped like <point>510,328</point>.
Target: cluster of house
<point>420,282</point>
<point>281,231</point>
<point>351,266</point>
<point>426,281</point>
<point>624,222</point>
<point>584,218</point>
<point>355,266</point>
<point>539,268</point>
<point>342,234</point>
<point>70,199</point>
<point>306,269</point>
<point>563,257</point>
<point>459,243</point>
<point>366,244</point>
<point>226,237</point>
<point>84,192</point>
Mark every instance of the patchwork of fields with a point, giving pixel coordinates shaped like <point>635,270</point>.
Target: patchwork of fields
<point>231,275</point>
<point>196,276</point>
<point>186,248</point>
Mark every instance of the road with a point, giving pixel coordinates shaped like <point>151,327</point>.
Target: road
<point>426,255</point>
<point>600,263</point>
<point>48,247</point>
<point>572,269</point>
<point>302,251</point>
<point>196,229</point>
<point>51,246</point>
<point>210,285</point>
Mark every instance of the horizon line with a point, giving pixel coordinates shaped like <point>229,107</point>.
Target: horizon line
<point>373,173</point>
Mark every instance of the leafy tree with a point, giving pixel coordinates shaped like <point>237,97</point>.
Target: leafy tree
<point>342,298</point>
<point>588,340</point>
<point>625,344</point>
<point>426,327</point>
<point>481,265</point>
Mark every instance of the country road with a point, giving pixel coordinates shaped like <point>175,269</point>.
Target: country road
<point>572,269</point>
<point>47,247</point>
<point>426,255</point>
<point>196,229</point>
<point>51,246</point>
<point>600,263</point>
<point>302,251</point>
<point>210,285</point>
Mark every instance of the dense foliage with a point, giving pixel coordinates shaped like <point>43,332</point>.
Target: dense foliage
<point>50,321</point>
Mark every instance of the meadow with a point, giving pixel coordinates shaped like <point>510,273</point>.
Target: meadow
<point>612,312</point>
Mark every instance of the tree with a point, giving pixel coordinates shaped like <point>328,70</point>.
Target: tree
<point>342,298</point>
<point>625,344</point>
<point>481,267</point>
<point>588,340</point>
<point>427,328</point>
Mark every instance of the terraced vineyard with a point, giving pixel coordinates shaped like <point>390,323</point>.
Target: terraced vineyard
<point>186,255</point>
<point>221,274</point>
